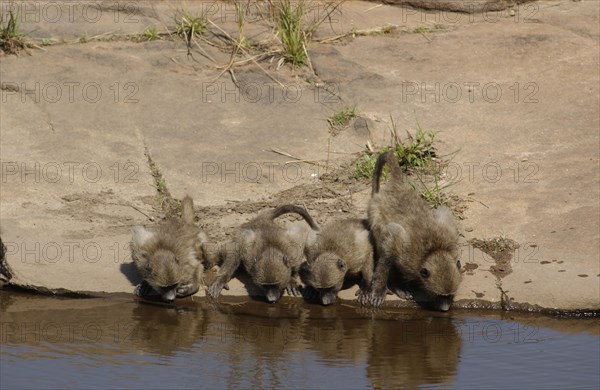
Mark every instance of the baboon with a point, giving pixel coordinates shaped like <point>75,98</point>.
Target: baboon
<point>270,254</point>
<point>411,238</point>
<point>169,256</point>
<point>340,250</point>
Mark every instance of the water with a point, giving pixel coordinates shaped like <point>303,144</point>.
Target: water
<point>115,343</point>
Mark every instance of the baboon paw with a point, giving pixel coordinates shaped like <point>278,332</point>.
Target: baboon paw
<point>186,289</point>
<point>309,293</point>
<point>143,289</point>
<point>215,290</point>
<point>377,301</point>
<point>363,297</point>
<point>293,291</point>
<point>369,298</point>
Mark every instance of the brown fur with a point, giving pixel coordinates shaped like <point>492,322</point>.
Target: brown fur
<point>169,256</point>
<point>339,250</point>
<point>410,237</point>
<point>269,253</point>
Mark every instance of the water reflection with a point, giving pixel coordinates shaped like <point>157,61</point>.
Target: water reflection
<point>232,345</point>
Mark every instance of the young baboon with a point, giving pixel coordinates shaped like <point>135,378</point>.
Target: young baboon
<point>169,256</point>
<point>269,253</point>
<point>341,249</point>
<point>411,238</point>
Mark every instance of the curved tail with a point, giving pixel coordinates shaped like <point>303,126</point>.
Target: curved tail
<point>301,211</point>
<point>390,159</point>
<point>187,210</point>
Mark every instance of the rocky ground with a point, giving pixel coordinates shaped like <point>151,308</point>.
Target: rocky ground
<point>102,128</point>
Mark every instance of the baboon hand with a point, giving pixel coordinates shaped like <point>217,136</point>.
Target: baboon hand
<point>370,298</point>
<point>309,293</point>
<point>293,291</point>
<point>183,290</point>
<point>143,289</point>
<point>215,289</point>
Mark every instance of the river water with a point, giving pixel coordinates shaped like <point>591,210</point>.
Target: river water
<point>50,342</point>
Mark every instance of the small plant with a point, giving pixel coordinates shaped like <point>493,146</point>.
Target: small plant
<point>434,194</point>
<point>161,185</point>
<point>387,29</point>
<point>241,10</point>
<point>415,153</point>
<point>48,42</point>
<point>84,38</point>
<point>189,24</point>
<point>11,41</point>
<point>151,34</point>
<point>418,152</point>
<point>288,22</point>
<point>421,30</point>
<point>342,118</point>
<point>366,165</point>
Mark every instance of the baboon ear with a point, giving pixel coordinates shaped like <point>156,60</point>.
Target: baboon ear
<point>396,232</point>
<point>141,235</point>
<point>311,239</point>
<point>443,215</point>
<point>341,264</point>
<point>248,236</point>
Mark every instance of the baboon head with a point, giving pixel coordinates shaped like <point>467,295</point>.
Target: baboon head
<point>162,272</point>
<point>271,272</point>
<point>158,266</point>
<point>440,276</point>
<point>434,260</point>
<point>326,275</point>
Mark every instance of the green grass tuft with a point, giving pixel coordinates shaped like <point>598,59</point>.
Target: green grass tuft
<point>11,40</point>
<point>342,118</point>
<point>190,24</point>
<point>417,156</point>
<point>288,22</point>
<point>151,34</point>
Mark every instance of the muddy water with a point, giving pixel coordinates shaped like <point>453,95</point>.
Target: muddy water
<point>116,343</point>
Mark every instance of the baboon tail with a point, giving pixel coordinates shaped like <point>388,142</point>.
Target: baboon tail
<point>301,211</point>
<point>390,159</point>
<point>187,210</point>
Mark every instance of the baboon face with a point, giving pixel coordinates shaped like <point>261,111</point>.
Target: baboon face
<point>272,273</point>
<point>326,275</point>
<point>162,273</point>
<point>440,276</point>
<point>327,296</point>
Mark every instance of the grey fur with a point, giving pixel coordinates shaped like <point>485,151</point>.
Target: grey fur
<point>269,253</point>
<point>169,256</point>
<point>411,238</point>
<point>339,250</point>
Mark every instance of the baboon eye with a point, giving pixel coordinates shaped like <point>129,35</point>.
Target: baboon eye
<point>424,272</point>
<point>341,264</point>
<point>458,264</point>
